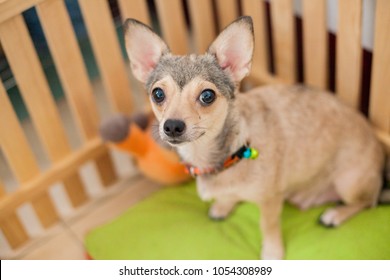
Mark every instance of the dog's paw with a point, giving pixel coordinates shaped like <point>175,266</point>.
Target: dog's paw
<point>219,211</point>
<point>272,252</point>
<point>203,192</point>
<point>330,218</point>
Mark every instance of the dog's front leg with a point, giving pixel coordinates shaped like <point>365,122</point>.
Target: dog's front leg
<point>270,212</point>
<point>221,208</point>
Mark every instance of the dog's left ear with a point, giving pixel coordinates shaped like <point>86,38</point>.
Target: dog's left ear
<point>233,48</point>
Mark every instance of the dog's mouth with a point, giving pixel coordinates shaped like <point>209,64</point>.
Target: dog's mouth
<point>177,141</point>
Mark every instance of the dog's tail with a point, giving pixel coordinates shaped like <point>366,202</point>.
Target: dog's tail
<point>384,196</point>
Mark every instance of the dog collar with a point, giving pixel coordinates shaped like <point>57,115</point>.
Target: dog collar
<point>244,152</point>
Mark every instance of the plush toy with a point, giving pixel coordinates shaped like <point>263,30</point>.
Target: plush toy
<point>134,136</point>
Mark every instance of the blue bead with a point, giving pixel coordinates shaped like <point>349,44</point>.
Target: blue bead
<point>247,153</point>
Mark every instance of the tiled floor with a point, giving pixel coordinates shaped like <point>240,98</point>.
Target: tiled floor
<point>65,240</point>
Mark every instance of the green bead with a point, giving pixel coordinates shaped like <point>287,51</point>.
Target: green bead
<point>254,153</point>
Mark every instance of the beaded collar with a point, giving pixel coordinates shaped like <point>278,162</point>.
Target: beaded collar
<point>244,152</point>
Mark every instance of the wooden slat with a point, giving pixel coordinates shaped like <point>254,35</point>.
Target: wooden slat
<point>32,83</point>
<point>13,230</point>
<point>315,43</point>
<point>106,169</point>
<point>203,23</point>
<point>227,11</point>
<point>106,48</point>
<point>44,209</point>
<point>14,143</point>
<point>21,159</point>
<point>283,30</point>
<point>384,138</point>
<point>137,9</point>
<point>256,10</point>
<point>264,78</point>
<point>380,84</point>
<point>349,52</point>
<point>29,75</point>
<point>2,190</point>
<point>10,8</point>
<point>68,59</point>
<point>69,64</point>
<point>173,25</point>
<point>11,225</point>
<point>57,172</point>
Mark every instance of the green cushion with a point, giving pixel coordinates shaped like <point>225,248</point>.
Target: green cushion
<point>173,224</point>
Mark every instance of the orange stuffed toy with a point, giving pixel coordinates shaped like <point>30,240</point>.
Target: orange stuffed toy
<point>134,136</point>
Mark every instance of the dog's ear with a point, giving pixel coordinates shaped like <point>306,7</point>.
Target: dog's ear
<point>144,48</point>
<point>233,48</point>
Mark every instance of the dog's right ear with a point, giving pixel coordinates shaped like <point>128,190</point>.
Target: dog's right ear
<point>144,48</point>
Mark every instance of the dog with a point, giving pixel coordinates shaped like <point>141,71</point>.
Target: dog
<point>269,145</point>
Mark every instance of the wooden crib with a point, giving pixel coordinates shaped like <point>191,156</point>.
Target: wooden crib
<point>288,50</point>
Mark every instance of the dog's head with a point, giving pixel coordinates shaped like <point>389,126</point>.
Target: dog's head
<point>191,94</point>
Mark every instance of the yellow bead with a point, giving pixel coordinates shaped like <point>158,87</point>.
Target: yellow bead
<point>254,153</point>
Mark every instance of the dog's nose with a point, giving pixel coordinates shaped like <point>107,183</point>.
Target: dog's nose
<point>174,128</point>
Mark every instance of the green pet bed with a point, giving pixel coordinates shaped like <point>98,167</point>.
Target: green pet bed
<point>173,224</point>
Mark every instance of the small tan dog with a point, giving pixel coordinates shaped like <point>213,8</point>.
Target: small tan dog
<point>311,148</point>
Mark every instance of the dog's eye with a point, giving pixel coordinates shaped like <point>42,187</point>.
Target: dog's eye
<point>158,95</point>
<point>207,97</point>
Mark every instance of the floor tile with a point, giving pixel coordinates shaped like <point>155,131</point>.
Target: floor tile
<point>113,207</point>
<point>34,243</point>
<point>64,246</point>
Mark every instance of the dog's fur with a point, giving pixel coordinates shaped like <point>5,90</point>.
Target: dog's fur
<point>312,149</point>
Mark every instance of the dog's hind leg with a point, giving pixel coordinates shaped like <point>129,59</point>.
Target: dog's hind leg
<point>337,215</point>
<point>358,191</point>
